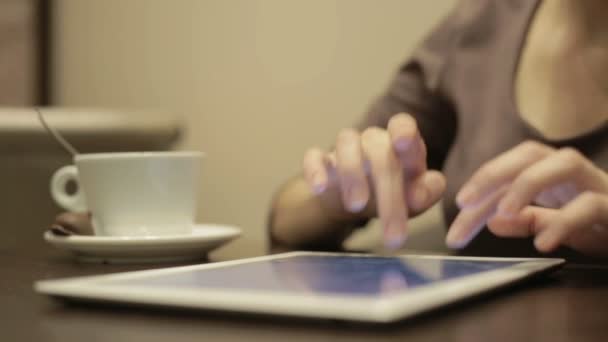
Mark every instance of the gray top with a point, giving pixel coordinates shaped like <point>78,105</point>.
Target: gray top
<point>459,84</point>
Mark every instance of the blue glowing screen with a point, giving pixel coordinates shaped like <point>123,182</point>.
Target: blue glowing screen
<point>328,274</point>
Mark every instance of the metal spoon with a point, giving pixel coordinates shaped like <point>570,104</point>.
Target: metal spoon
<point>58,137</point>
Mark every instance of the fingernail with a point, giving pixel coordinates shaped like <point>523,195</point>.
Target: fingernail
<point>402,144</point>
<point>318,184</point>
<point>318,188</point>
<point>357,198</point>
<point>420,197</point>
<point>394,234</point>
<point>466,196</point>
<point>455,238</point>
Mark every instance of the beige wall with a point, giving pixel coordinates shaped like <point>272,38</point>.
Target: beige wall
<point>256,81</point>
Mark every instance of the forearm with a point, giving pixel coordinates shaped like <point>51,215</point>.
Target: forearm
<point>301,219</point>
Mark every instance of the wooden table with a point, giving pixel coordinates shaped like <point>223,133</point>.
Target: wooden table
<point>570,305</point>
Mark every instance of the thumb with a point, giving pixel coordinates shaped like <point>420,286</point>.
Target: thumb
<point>424,191</point>
<point>528,222</point>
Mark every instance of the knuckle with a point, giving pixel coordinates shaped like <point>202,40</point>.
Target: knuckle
<point>373,135</point>
<point>564,222</point>
<point>594,202</point>
<point>400,117</point>
<point>394,120</point>
<point>533,147</point>
<point>313,151</point>
<point>486,171</point>
<point>403,126</point>
<point>591,199</point>
<point>571,156</point>
<point>311,154</point>
<point>526,178</point>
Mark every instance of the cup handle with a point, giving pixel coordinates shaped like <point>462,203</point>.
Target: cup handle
<point>71,202</point>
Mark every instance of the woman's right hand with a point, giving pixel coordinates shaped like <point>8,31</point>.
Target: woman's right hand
<point>377,172</point>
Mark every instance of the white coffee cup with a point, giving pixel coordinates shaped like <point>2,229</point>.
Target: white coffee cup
<point>132,193</point>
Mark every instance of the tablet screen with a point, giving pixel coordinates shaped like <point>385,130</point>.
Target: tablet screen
<point>324,274</point>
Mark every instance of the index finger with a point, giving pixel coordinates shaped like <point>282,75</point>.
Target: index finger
<point>499,171</point>
<point>408,144</point>
<point>387,178</point>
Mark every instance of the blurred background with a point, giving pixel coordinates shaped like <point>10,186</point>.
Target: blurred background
<point>252,83</point>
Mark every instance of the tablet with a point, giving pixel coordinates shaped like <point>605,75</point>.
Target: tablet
<point>357,287</point>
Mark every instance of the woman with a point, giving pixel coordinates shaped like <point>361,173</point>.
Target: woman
<point>510,100</point>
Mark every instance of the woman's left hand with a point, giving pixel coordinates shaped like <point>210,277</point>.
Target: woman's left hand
<point>556,195</point>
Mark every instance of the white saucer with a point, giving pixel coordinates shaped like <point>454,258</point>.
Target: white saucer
<point>115,249</point>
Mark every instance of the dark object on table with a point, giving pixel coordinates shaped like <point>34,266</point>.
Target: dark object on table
<point>72,223</point>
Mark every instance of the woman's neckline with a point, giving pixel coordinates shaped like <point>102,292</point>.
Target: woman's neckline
<point>535,133</point>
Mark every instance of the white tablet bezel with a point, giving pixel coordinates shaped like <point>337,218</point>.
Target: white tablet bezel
<point>371,309</point>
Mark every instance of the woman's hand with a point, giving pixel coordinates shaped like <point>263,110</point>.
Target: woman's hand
<point>376,172</point>
<point>556,195</point>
